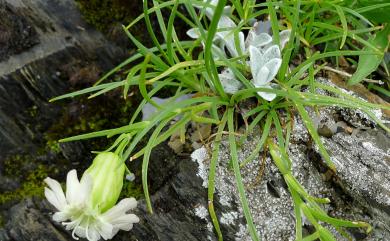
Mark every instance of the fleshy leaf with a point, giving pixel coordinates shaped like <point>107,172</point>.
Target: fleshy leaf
<point>256,60</point>
<point>193,33</point>
<point>284,37</point>
<point>265,95</point>
<point>273,66</point>
<point>229,82</point>
<point>272,52</point>
<point>258,40</point>
<point>261,78</point>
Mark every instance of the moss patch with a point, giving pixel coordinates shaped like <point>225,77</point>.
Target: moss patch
<point>131,189</point>
<point>88,115</point>
<point>32,184</point>
<point>104,13</point>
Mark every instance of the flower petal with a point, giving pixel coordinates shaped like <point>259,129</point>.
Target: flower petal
<point>125,222</point>
<point>53,199</point>
<point>92,233</point>
<point>106,230</point>
<point>256,60</point>
<point>59,201</point>
<point>72,187</point>
<point>86,185</point>
<point>120,209</point>
<point>61,216</point>
<point>79,232</point>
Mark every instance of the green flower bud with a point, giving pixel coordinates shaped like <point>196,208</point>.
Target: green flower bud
<point>107,172</point>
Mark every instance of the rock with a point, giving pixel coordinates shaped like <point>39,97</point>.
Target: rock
<point>358,191</point>
<point>8,184</point>
<point>28,223</point>
<point>16,32</point>
<point>43,43</point>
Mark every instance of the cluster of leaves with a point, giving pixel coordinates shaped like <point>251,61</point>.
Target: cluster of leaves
<point>348,25</point>
<point>189,67</point>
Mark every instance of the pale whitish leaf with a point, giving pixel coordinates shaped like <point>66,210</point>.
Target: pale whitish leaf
<point>271,53</point>
<point>226,22</point>
<point>256,60</point>
<point>218,52</point>
<point>193,33</point>
<point>273,66</point>
<point>262,27</point>
<point>265,95</point>
<point>284,37</point>
<point>258,40</point>
<point>209,11</point>
<point>260,79</point>
<point>229,82</point>
<point>148,111</point>
<point>231,45</point>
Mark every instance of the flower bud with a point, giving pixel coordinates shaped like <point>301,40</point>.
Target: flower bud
<point>107,172</point>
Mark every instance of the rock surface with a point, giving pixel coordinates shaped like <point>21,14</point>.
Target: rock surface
<point>42,45</point>
<point>359,190</point>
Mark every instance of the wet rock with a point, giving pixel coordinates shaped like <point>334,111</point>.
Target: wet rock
<point>45,44</point>
<point>16,33</point>
<point>8,184</point>
<point>28,223</point>
<point>359,190</point>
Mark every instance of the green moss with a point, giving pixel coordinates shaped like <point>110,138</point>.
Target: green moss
<point>33,111</point>
<point>131,189</point>
<point>53,146</point>
<point>32,186</point>
<point>89,115</point>
<point>104,13</point>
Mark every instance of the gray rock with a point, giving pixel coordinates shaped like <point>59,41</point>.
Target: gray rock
<point>16,32</point>
<point>359,190</point>
<point>28,223</point>
<point>42,45</point>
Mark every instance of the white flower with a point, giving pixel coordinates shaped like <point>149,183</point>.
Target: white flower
<point>82,208</point>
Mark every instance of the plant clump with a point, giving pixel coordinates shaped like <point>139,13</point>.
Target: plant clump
<point>266,56</point>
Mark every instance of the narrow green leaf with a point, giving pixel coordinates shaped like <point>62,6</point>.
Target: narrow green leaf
<point>369,63</point>
<point>237,174</point>
<point>313,132</point>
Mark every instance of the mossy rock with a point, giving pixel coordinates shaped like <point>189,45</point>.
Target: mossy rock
<point>104,13</point>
